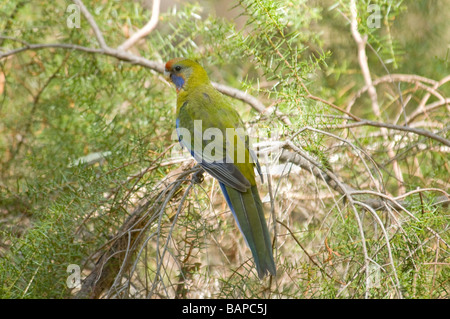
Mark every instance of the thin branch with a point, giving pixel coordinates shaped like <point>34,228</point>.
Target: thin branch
<point>47,46</point>
<point>419,190</point>
<point>227,90</point>
<point>388,245</point>
<point>409,129</point>
<point>312,97</point>
<point>115,257</point>
<point>427,109</point>
<point>249,99</point>
<point>403,209</point>
<point>362,58</point>
<point>307,254</point>
<point>153,65</point>
<point>407,78</point>
<point>391,78</point>
<point>435,86</point>
<point>92,23</point>
<point>145,30</point>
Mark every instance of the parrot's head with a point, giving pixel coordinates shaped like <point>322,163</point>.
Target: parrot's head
<point>185,73</point>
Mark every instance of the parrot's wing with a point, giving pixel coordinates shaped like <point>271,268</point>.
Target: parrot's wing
<point>228,174</point>
<point>213,158</point>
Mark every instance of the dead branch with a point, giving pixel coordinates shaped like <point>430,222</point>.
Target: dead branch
<point>92,23</point>
<point>362,58</point>
<point>408,129</point>
<point>145,30</point>
<point>117,254</point>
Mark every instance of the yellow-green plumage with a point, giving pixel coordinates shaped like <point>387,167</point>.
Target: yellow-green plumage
<point>198,100</point>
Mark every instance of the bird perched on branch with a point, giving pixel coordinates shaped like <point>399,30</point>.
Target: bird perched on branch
<point>213,132</point>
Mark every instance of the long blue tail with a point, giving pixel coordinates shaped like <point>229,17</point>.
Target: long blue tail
<point>248,212</point>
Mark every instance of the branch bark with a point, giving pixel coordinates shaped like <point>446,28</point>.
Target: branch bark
<point>362,58</point>
<point>145,30</point>
<point>92,23</point>
<point>117,255</point>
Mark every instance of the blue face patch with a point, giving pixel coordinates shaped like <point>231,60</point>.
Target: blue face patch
<point>177,80</point>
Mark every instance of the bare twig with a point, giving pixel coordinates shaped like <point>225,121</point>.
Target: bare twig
<point>391,78</point>
<point>153,65</point>
<point>92,23</point>
<point>409,129</point>
<point>426,109</point>
<point>312,97</point>
<point>116,256</point>
<point>362,58</point>
<point>427,96</point>
<point>307,254</point>
<point>145,30</point>
<point>227,90</point>
<point>249,99</point>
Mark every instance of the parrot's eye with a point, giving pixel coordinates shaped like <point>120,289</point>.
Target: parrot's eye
<point>178,68</point>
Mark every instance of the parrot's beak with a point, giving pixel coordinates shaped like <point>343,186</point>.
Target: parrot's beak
<point>167,75</point>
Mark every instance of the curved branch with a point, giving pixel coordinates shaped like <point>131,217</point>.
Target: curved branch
<point>145,30</point>
<point>362,58</point>
<point>409,129</point>
<point>406,78</point>
<point>249,99</point>
<point>426,109</point>
<point>92,23</point>
<point>153,65</point>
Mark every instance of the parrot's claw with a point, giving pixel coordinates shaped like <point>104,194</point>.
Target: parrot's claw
<point>198,177</point>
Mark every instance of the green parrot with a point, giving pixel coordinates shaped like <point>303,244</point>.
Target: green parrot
<point>213,132</point>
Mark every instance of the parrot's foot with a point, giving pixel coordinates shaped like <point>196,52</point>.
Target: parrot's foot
<point>198,177</point>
